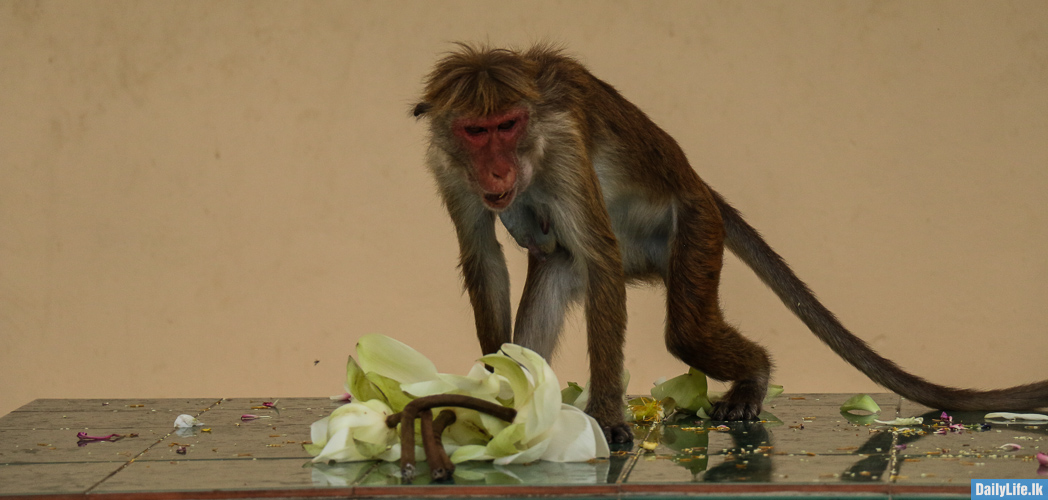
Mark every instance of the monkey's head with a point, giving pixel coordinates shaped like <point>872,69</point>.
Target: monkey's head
<point>479,103</point>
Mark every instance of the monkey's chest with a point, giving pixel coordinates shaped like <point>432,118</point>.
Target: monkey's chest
<point>642,231</point>
<point>531,226</point>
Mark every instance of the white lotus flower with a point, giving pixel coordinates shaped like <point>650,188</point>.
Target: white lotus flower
<point>545,428</point>
<point>390,374</point>
<point>353,432</point>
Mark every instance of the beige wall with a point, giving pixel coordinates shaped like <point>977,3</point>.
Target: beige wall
<point>202,198</point>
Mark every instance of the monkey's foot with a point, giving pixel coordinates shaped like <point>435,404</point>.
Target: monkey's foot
<point>742,402</point>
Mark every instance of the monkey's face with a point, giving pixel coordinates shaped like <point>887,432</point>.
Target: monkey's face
<point>492,144</point>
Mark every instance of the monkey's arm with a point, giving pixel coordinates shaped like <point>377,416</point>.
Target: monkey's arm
<point>484,271</point>
<point>597,257</point>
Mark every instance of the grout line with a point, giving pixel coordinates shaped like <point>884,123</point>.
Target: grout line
<point>626,469</point>
<point>143,452</point>
<point>893,455</point>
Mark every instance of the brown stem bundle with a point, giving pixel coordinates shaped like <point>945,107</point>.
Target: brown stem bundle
<point>440,464</point>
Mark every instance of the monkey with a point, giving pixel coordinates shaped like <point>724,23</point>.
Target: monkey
<point>602,197</point>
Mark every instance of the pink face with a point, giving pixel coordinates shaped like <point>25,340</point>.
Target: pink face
<point>492,145</point>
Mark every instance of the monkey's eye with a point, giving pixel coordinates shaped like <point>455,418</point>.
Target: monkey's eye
<point>473,130</point>
<point>508,124</point>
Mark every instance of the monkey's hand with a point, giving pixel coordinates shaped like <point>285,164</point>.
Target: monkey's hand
<point>612,418</point>
<point>742,402</point>
<point>618,433</point>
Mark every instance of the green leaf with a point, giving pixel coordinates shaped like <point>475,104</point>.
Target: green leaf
<point>773,391</point>
<point>569,394</point>
<point>860,402</point>
<point>688,391</point>
<point>859,419</point>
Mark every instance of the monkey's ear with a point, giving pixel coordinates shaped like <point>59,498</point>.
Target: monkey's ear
<point>421,109</point>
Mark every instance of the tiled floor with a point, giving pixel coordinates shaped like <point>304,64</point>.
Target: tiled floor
<point>804,447</point>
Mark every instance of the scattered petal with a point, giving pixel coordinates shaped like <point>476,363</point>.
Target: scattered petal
<point>902,421</point>
<point>82,436</point>
<point>1042,459</point>
<point>1028,417</point>
<point>861,402</point>
<point>185,421</point>
<point>646,410</point>
<point>1010,447</point>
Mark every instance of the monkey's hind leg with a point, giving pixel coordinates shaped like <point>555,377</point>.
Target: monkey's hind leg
<point>696,332</point>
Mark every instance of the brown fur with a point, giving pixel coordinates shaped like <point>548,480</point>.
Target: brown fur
<point>603,197</point>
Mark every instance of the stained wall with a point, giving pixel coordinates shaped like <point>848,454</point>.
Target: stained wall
<point>219,198</point>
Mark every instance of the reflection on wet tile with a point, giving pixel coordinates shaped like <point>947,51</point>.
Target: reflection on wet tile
<point>187,405</point>
<point>479,473</point>
<point>345,474</point>
<point>958,471</point>
<point>90,414</point>
<point>981,449</point>
<point>28,479</point>
<point>763,452</point>
<point>204,475</point>
<point>277,433</point>
<point>50,446</point>
<point>801,438</point>
<point>802,445</point>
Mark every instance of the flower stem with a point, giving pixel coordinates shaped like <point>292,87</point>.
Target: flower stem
<point>440,465</point>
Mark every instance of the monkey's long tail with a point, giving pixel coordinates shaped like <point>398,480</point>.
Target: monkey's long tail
<point>745,242</point>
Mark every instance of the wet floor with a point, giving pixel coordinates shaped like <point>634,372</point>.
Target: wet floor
<point>803,447</point>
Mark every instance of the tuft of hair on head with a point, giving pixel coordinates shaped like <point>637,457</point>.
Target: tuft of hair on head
<point>420,109</point>
<point>545,51</point>
<point>479,81</point>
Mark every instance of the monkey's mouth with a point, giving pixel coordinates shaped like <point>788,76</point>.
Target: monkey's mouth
<point>499,201</point>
